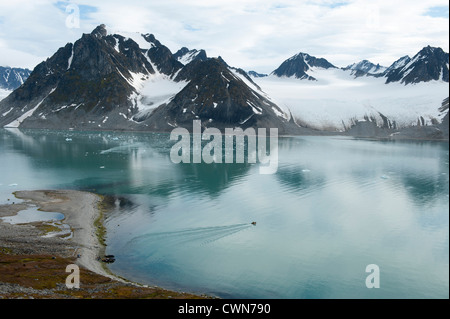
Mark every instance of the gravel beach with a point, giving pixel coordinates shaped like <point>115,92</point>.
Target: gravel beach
<point>80,210</point>
<point>36,252</point>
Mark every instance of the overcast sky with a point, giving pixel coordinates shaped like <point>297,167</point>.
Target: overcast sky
<point>250,34</point>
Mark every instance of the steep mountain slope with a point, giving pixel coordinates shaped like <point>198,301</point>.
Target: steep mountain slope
<point>80,85</point>
<point>220,97</point>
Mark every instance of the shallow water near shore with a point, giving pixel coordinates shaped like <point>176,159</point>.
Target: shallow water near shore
<point>334,206</point>
<point>32,214</point>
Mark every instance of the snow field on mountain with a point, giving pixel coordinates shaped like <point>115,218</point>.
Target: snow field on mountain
<point>337,98</point>
<point>155,90</point>
<point>188,57</point>
<point>4,93</point>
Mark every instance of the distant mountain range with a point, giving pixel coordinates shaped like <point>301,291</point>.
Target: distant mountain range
<point>427,65</point>
<point>12,78</point>
<point>364,67</point>
<point>131,81</point>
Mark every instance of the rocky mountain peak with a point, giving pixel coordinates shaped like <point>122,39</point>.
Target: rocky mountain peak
<point>100,31</point>
<point>185,56</point>
<point>429,64</point>
<point>298,65</point>
<point>364,67</point>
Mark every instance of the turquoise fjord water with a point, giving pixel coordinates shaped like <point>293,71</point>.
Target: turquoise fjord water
<point>334,206</point>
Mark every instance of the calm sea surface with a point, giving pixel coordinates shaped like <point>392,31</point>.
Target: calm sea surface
<point>334,206</point>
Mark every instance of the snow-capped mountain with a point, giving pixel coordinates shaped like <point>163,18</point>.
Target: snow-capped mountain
<point>427,65</point>
<point>299,65</point>
<point>220,96</point>
<point>393,71</point>
<point>341,97</point>
<point>12,78</point>
<point>82,84</point>
<point>338,100</point>
<point>364,67</point>
<point>130,81</point>
<point>185,56</point>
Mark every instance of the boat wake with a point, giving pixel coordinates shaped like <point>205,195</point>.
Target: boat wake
<point>198,235</point>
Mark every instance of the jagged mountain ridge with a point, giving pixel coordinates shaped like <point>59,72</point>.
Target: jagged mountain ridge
<point>185,56</point>
<point>364,67</point>
<point>99,82</point>
<point>429,64</point>
<point>123,81</point>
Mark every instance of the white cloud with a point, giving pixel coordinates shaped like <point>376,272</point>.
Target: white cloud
<point>251,34</point>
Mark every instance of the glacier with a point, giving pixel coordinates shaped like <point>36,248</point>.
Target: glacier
<point>336,99</point>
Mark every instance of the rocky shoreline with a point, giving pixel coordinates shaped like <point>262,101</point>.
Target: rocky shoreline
<point>34,255</point>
